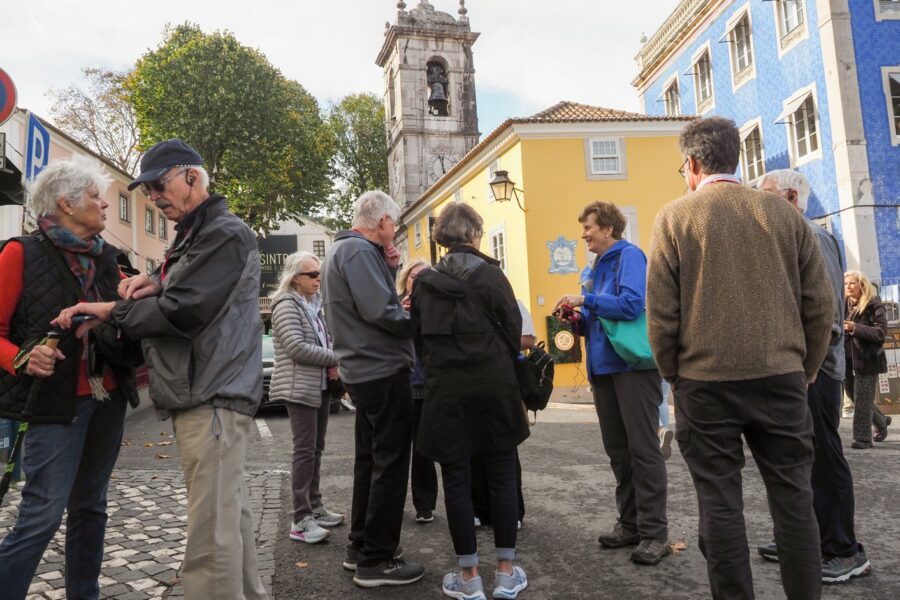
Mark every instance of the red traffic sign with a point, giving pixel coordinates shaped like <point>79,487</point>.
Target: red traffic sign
<point>7,96</point>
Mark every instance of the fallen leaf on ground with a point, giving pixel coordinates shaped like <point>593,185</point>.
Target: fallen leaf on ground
<point>126,442</point>
<point>302,565</point>
<point>149,444</point>
<point>163,443</point>
<point>163,433</point>
<point>678,547</point>
<point>163,456</point>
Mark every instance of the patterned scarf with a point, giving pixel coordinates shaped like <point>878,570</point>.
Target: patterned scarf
<point>80,254</point>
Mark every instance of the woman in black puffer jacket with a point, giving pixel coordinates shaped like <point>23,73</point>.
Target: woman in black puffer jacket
<point>866,326</point>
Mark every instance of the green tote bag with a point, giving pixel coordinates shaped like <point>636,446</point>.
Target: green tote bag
<point>630,341</point>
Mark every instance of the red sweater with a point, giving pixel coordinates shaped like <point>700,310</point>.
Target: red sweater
<point>12,267</point>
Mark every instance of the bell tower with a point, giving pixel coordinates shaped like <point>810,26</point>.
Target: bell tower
<point>430,111</point>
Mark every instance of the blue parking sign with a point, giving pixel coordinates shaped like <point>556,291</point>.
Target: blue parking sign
<point>37,150</point>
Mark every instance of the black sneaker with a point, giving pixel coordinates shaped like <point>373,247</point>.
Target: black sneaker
<point>424,516</point>
<point>352,552</point>
<point>768,551</point>
<point>390,572</point>
<point>619,537</point>
<point>839,570</point>
<point>650,551</point>
<point>861,445</point>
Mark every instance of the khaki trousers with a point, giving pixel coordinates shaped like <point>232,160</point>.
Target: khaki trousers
<point>220,560</point>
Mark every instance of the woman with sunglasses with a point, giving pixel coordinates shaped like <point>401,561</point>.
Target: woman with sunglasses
<point>304,362</point>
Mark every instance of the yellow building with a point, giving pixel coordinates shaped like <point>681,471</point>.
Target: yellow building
<point>561,159</point>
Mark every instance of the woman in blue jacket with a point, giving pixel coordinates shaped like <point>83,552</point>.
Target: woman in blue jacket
<point>627,401</point>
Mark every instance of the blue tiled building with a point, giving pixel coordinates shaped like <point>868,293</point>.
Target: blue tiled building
<point>812,85</point>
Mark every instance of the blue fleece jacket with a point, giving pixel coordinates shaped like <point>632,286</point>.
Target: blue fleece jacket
<point>615,287</point>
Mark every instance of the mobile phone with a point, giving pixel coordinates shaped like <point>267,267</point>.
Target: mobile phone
<point>79,319</point>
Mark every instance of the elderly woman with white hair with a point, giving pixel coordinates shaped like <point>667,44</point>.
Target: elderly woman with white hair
<point>73,395</point>
<point>304,362</point>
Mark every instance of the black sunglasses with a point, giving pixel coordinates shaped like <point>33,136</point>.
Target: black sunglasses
<point>311,274</point>
<point>159,185</point>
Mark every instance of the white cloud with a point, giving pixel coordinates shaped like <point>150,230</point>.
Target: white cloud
<point>536,51</point>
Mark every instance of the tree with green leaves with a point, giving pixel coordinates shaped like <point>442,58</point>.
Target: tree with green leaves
<point>100,117</point>
<point>264,141</point>
<point>359,162</point>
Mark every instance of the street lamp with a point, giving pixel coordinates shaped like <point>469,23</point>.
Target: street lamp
<point>505,188</point>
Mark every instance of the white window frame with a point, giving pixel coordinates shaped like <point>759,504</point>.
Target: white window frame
<point>616,155</point>
<point>893,117</point>
<point>745,131</point>
<point>493,167</point>
<point>748,73</point>
<point>703,106</point>
<point>499,232</point>
<point>149,220</point>
<point>789,122</point>
<point>417,234</point>
<point>162,227</point>
<point>670,82</point>
<point>125,202</point>
<point>785,41</point>
<point>881,15</point>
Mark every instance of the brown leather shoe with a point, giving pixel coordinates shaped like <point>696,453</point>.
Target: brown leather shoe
<point>650,551</point>
<point>619,537</point>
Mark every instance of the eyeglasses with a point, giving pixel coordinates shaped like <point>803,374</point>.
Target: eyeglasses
<point>159,186</point>
<point>311,274</point>
<point>683,165</point>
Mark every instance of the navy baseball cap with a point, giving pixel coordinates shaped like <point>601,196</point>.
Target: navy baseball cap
<point>162,157</point>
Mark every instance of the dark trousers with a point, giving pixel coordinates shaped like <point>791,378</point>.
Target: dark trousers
<point>423,479</point>
<point>308,428</point>
<point>481,492</point>
<point>501,476</point>
<point>628,409</point>
<point>381,467</point>
<point>773,415</point>
<point>832,482</point>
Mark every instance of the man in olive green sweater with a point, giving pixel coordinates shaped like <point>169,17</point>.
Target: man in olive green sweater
<point>739,314</point>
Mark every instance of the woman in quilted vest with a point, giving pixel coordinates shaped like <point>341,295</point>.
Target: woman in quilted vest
<point>865,327</point>
<point>73,396</point>
<point>304,362</point>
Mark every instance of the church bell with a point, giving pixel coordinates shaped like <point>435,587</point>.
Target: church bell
<point>437,101</point>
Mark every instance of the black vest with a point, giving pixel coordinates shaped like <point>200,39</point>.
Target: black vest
<point>45,292</point>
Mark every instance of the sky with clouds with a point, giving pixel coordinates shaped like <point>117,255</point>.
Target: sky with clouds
<point>531,53</point>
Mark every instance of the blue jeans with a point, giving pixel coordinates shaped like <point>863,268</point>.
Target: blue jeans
<point>67,467</point>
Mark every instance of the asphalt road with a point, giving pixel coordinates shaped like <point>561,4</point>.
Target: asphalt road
<point>569,495</point>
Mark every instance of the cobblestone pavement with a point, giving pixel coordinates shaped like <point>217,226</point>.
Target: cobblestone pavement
<point>145,537</point>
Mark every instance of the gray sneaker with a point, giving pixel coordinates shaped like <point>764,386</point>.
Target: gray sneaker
<point>768,551</point>
<point>839,570</point>
<point>456,587</point>
<point>389,572</point>
<point>326,518</point>
<point>509,586</point>
<point>665,443</point>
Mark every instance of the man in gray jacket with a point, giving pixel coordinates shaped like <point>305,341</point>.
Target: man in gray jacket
<point>198,320</point>
<point>372,342</point>
<point>843,556</point>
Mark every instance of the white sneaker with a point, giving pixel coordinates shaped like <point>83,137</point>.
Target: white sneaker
<point>665,442</point>
<point>326,518</point>
<point>477,522</point>
<point>308,531</point>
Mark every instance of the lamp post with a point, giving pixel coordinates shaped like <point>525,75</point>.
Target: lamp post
<point>504,188</point>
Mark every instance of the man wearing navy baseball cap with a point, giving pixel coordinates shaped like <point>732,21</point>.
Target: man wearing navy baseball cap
<point>198,319</point>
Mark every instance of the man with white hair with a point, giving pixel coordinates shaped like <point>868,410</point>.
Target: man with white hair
<point>372,340</point>
<point>843,556</point>
<point>198,319</point>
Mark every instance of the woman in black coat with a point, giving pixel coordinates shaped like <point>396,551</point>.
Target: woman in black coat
<point>866,326</point>
<point>467,325</point>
